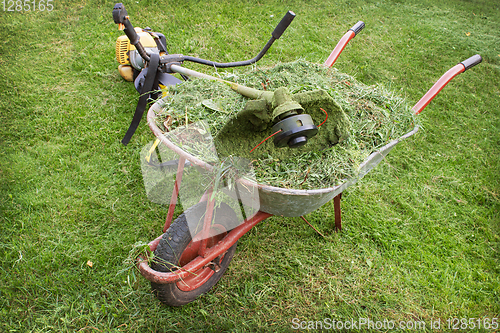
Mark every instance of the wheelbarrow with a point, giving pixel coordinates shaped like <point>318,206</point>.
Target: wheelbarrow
<point>186,262</point>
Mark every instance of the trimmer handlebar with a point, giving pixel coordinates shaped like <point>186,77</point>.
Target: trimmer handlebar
<point>120,16</point>
<point>276,34</point>
<point>284,23</point>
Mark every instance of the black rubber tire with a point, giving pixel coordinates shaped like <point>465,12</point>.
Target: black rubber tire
<point>172,245</point>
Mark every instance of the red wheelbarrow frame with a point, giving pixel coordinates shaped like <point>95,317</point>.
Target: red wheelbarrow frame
<point>207,255</point>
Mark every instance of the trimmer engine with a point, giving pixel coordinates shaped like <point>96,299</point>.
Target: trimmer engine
<point>129,58</point>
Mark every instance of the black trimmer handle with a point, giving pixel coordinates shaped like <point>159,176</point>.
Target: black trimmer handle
<point>276,34</point>
<point>358,27</point>
<point>284,23</point>
<point>472,61</point>
<point>120,16</point>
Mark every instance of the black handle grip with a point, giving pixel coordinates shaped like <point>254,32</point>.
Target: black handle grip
<point>472,61</point>
<point>284,23</point>
<point>358,27</point>
<point>120,15</point>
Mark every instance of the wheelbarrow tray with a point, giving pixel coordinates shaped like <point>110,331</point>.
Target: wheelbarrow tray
<point>282,201</point>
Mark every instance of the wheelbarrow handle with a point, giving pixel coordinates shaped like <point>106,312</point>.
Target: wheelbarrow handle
<point>350,34</point>
<point>443,81</point>
<point>357,27</point>
<point>472,61</point>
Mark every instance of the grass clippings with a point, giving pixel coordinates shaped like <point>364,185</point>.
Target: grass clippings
<point>377,116</point>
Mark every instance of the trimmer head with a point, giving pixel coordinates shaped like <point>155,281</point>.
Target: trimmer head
<point>294,131</point>
<point>255,124</point>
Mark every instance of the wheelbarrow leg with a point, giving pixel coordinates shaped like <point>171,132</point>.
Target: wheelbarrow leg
<point>336,209</point>
<point>207,223</point>
<point>175,193</point>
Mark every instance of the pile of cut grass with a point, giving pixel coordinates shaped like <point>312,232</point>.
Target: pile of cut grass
<point>377,117</point>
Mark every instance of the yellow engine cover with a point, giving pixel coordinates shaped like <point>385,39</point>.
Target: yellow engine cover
<point>123,46</point>
<point>126,72</point>
<point>122,49</point>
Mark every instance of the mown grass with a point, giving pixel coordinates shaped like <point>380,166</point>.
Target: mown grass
<point>420,238</point>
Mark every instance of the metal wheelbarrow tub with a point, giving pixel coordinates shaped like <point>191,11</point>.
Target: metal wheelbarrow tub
<point>276,200</point>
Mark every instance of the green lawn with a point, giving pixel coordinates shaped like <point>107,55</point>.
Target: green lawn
<point>421,232</point>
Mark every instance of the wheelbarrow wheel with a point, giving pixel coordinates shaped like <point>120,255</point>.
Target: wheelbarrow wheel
<point>177,248</point>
